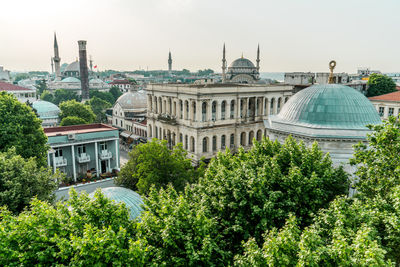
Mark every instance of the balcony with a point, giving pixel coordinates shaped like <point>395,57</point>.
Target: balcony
<point>105,154</point>
<point>83,158</point>
<point>60,161</point>
<point>167,118</point>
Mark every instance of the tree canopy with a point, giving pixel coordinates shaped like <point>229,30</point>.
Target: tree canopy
<point>72,120</point>
<point>379,84</point>
<point>106,96</point>
<point>20,128</point>
<point>72,108</point>
<point>154,164</point>
<point>61,95</point>
<point>22,179</point>
<point>116,92</point>
<point>99,107</point>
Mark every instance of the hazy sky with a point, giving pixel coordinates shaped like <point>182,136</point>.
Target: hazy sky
<point>294,35</point>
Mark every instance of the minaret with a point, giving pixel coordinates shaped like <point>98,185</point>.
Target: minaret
<point>52,65</point>
<point>223,65</point>
<point>56,59</point>
<point>169,63</point>
<point>258,58</point>
<point>83,70</point>
<point>91,63</point>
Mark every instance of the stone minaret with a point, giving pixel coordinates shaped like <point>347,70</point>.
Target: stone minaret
<point>83,70</point>
<point>258,58</point>
<point>52,65</point>
<point>223,64</point>
<point>56,59</point>
<point>169,63</point>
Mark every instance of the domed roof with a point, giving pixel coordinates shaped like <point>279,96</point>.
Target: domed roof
<point>46,110</point>
<point>330,105</point>
<point>242,63</point>
<point>71,80</point>
<point>133,100</point>
<point>95,80</point>
<point>132,200</point>
<point>74,66</point>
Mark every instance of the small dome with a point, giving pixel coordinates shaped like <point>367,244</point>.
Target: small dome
<point>132,200</point>
<point>133,100</point>
<point>46,110</point>
<point>74,66</point>
<point>71,80</point>
<point>330,106</point>
<point>95,80</point>
<point>242,63</point>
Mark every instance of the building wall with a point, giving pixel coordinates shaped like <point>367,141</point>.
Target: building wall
<point>386,108</point>
<point>176,113</point>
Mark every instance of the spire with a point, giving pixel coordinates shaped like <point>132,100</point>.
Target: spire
<point>223,64</point>
<point>258,57</point>
<point>55,40</point>
<point>56,59</point>
<point>169,62</point>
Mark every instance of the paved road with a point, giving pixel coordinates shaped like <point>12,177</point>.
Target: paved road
<point>123,157</point>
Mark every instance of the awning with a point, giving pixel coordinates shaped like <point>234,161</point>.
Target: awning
<point>126,134</point>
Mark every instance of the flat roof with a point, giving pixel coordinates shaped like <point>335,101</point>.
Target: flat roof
<point>78,129</point>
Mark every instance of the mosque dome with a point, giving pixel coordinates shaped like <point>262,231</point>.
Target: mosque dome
<point>46,110</point>
<point>71,80</point>
<point>132,200</point>
<point>133,100</point>
<point>326,110</point>
<point>74,66</point>
<point>242,63</point>
<point>95,80</point>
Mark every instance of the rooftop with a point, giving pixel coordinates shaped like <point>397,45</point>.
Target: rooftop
<point>12,87</point>
<point>78,129</point>
<point>395,96</point>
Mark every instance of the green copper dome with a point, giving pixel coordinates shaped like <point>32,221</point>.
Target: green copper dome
<point>329,106</point>
<point>46,110</point>
<point>132,200</point>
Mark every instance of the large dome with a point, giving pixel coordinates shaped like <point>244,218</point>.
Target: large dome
<point>70,80</point>
<point>133,100</point>
<point>242,63</point>
<point>132,200</point>
<point>46,110</point>
<point>74,66</point>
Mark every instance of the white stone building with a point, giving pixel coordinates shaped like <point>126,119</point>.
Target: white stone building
<point>387,105</point>
<point>4,74</point>
<point>21,93</point>
<point>299,78</point>
<point>208,118</point>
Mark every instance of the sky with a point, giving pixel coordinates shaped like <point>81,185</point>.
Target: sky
<point>294,35</point>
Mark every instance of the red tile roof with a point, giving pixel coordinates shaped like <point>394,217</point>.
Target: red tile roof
<point>395,96</point>
<point>12,87</point>
<point>83,128</point>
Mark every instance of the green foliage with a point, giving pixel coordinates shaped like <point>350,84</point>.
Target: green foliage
<point>378,163</point>
<point>22,179</point>
<point>106,96</point>
<point>61,95</point>
<point>72,120</point>
<point>80,232</point>
<point>47,96</point>
<point>99,107</point>
<point>21,76</point>
<point>205,72</point>
<point>255,191</point>
<point>379,84</point>
<point>114,90</point>
<point>41,86</point>
<point>72,108</point>
<point>20,128</point>
<point>155,164</point>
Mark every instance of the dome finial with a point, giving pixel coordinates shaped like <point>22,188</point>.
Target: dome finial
<point>332,65</point>
<point>242,54</point>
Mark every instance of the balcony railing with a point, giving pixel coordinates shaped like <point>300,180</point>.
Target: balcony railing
<point>60,161</point>
<point>105,154</point>
<point>83,158</point>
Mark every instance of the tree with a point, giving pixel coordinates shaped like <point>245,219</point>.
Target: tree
<point>41,86</point>
<point>72,120</point>
<point>21,76</point>
<point>72,108</point>
<point>22,179</point>
<point>154,164</point>
<point>61,95</point>
<point>106,96</point>
<point>114,90</point>
<point>47,96</point>
<point>80,232</point>
<point>379,84</point>
<point>20,128</point>
<point>99,107</point>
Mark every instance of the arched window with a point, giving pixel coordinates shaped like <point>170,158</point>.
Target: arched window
<point>156,132</point>
<point>173,138</point>
<point>214,143</point>
<point>160,105</point>
<point>279,105</point>
<point>193,144</point>
<point>265,106</point>
<point>187,110</point>
<point>232,109</point>
<point>181,109</point>
<point>164,107</point>
<point>174,111</point>
<point>223,107</point>
<point>170,105</point>
<point>186,142</point>
<point>286,99</point>
<point>232,142</point>
<point>243,139</point>
<point>214,110</point>
<point>205,144</point>
<point>193,111</point>
<point>181,139</point>
<point>223,142</point>
<point>259,135</point>
<point>271,110</point>
<point>242,108</point>
<point>155,105</point>
<point>204,111</point>
<point>251,136</point>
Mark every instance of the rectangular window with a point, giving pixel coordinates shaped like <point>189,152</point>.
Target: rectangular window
<point>81,149</point>
<point>391,111</point>
<point>58,152</point>
<point>103,146</point>
<point>381,111</point>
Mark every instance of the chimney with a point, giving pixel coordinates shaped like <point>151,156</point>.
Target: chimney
<point>83,70</point>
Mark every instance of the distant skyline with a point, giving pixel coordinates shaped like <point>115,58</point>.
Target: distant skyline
<point>294,35</point>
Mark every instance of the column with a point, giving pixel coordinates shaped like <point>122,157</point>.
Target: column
<point>73,161</point>
<point>218,111</point>
<point>116,154</point>
<point>96,156</point>
<point>209,110</point>
<point>275,107</point>
<point>198,110</point>
<point>54,162</point>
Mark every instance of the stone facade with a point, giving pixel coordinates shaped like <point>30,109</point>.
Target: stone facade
<point>209,118</point>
